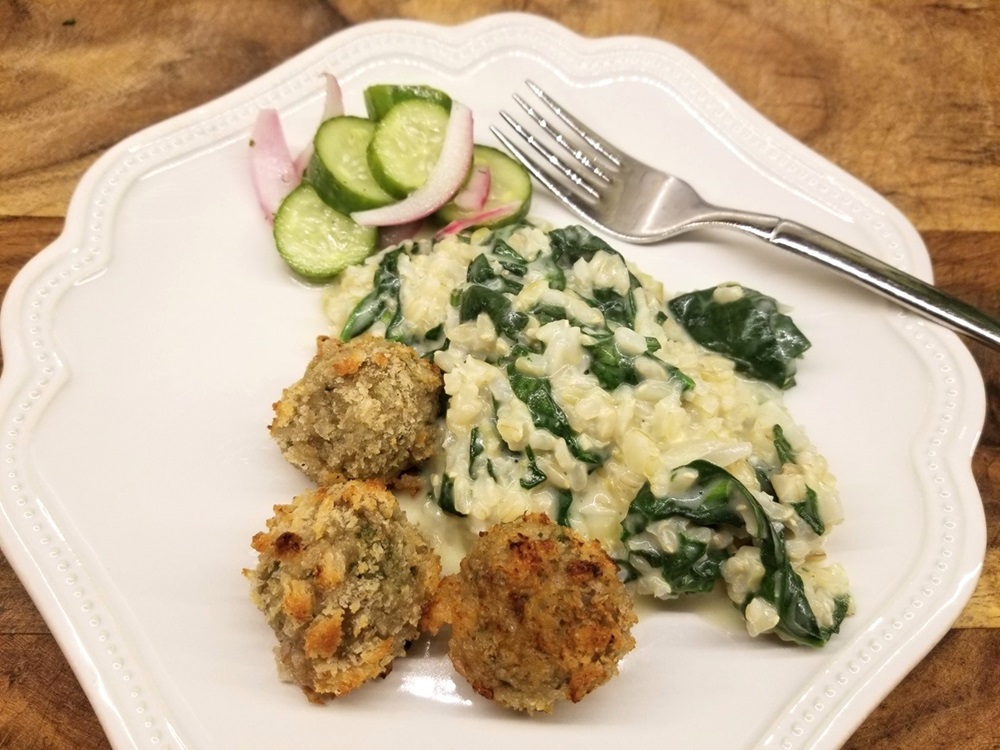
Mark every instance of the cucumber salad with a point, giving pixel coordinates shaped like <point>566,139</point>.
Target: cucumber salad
<point>373,181</point>
<point>574,385</point>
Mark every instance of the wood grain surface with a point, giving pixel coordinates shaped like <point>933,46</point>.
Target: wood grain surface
<point>904,95</point>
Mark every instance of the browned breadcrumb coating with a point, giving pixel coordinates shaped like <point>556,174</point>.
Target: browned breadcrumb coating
<point>537,615</point>
<point>364,409</point>
<point>343,579</point>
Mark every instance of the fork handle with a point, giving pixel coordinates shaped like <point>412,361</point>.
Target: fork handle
<point>889,281</point>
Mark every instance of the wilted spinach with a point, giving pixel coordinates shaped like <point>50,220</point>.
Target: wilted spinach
<point>565,502</point>
<point>381,303</point>
<point>476,448</point>
<point>614,307</point>
<point>481,272</point>
<point>546,414</point>
<point>476,298</point>
<point>612,368</point>
<point>533,476</point>
<point>548,313</point>
<point>762,341</point>
<point>785,453</point>
<point>808,511</point>
<point>511,260</point>
<point>572,243</point>
<point>445,497</point>
<point>710,501</point>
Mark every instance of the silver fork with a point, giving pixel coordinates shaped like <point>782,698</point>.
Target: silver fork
<point>635,202</point>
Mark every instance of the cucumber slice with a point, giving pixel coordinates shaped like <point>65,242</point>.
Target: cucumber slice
<point>316,241</point>
<point>382,97</point>
<point>509,183</point>
<point>339,166</point>
<point>406,145</point>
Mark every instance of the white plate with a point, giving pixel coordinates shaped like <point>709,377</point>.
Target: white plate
<point>144,349</point>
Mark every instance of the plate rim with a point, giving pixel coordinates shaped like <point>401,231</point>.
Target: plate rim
<point>28,557</point>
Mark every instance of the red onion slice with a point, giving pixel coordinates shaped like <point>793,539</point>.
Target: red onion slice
<point>473,196</point>
<point>442,183</point>
<point>490,214</point>
<point>391,236</point>
<point>274,173</point>
<point>333,106</point>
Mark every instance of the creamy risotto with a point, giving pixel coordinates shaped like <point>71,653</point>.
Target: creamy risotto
<point>574,388</point>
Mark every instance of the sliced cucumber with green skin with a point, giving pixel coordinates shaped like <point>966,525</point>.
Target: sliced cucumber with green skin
<point>382,97</point>
<point>339,166</point>
<point>509,183</point>
<point>406,145</point>
<point>317,241</point>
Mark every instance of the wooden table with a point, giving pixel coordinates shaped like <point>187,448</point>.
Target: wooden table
<point>903,95</point>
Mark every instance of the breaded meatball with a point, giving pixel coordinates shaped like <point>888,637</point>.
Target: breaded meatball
<point>537,615</point>
<point>364,409</point>
<point>343,579</point>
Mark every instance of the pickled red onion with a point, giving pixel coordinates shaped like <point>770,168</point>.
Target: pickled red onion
<point>482,217</point>
<point>390,236</point>
<point>473,196</point>
<point>274,173</point>
<point>442,183</point>
<point>333,106</point>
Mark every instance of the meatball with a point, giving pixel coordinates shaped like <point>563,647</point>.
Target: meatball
<point>537,614</point>
<point>343,579</point>
<point>364,409</point>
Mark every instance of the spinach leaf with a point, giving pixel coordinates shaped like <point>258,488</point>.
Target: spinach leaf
<point>614,307</point>
<point>687,383</point>
<point>481,272</point>
<point>711,501</point>
<point>693,568</point>
<point>548,313</point>
<point>781,586</point>
<point>436,335</point>
<point>554,275</point>
<point>476,448</point>
<point>565,500</point>
<point>762,341</point>
<point>446,496</point>
<point>533,476</point>
<point>477,298</point>
<point>609,365</point>
<point>785,453</point>
<point>509,259</point>
<point>381,303</point>
<point>612,368</point>
<point>706,503</point>
<point>571,243</point>
<point>763,474</point>
<point>808,511</point>
<point>546,414</point>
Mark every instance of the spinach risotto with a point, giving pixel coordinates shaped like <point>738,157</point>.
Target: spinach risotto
<point>656,426</point>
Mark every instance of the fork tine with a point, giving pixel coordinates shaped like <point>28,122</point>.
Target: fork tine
<point>540,174</point>
<point>559,138</point>
<point>572,175</point>
<point>602,145</point>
